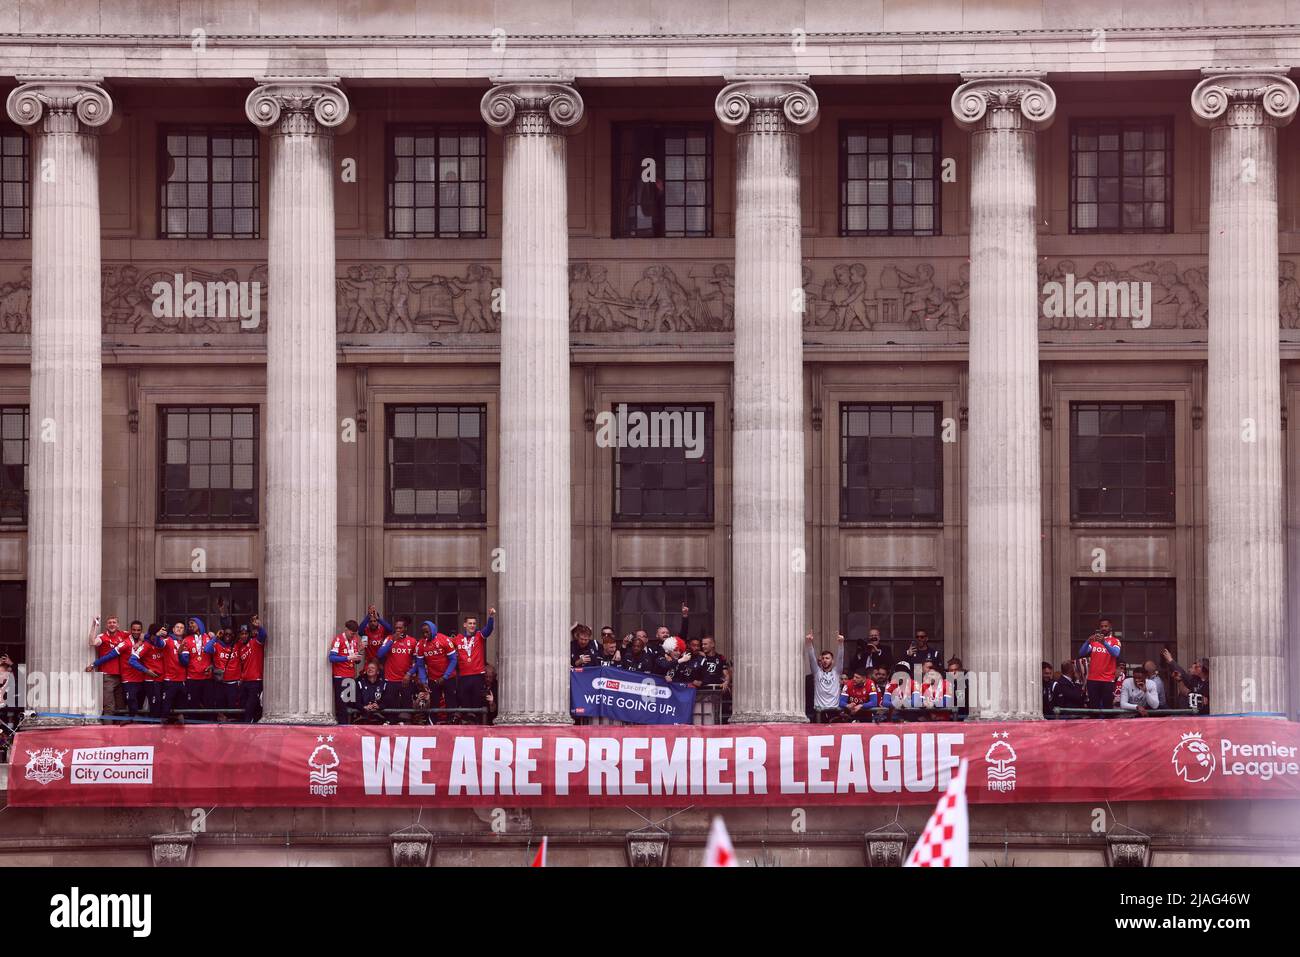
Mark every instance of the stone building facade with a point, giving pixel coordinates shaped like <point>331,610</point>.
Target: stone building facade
<point>842,256</point>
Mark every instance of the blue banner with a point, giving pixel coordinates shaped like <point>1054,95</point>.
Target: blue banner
<point>628,696</point>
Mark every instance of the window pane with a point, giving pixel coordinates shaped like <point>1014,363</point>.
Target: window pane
<point>436,463</point>
<point>199,453</point>
<point>1139,151</point>
<point>440,190</point>
<point>666,450</point>
<point>891,463</point>
<point>891,169</point>
<point>1122,462</point>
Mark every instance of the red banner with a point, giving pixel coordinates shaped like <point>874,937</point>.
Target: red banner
<point>411,766</point>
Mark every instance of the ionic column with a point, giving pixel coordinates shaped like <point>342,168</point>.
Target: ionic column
<point>301,569</point>
<point>768,535</point>
<point>65,504</point>
<point>1004,570</point>
<point>534,584</point>
<point>1245,544</point>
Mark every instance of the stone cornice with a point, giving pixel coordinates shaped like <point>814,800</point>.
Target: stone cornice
<point>1019,100</point>
<point>535,106</point>
<point>67,104</point>
<point>297,105</point>
<point>1242,96</point>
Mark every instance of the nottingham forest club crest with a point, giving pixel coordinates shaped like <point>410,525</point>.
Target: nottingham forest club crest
<point>45,766</point>
<point>1001,759</point>
<point>323,779</point>
<point>1193,759</point>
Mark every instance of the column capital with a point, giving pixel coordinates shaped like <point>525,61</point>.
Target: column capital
<point>1244,96</point>
<point>535,106</point>
<point>767,104</point>
<point>304,105</point>
<point>67,104</point>
<point>1004,101</point>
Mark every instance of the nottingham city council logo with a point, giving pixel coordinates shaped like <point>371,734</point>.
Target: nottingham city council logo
<point>45,766</point>
<point>1193,759</point>
<point>324,780</point>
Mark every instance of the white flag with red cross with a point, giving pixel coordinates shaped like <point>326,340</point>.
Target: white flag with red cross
<point>718,852</point>
<point>945,842</point>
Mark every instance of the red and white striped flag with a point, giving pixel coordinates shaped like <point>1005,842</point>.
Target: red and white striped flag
<point>945,842</point>
<point>718,852</point>
<point>539,859</point>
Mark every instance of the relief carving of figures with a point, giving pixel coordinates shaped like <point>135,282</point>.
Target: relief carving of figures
<point>1185,291</point>
<point>911,298</point>
<point>16,303</point>
<point>658,301</point>
<point>372,301</point>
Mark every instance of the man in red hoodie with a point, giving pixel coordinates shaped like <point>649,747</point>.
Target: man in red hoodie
<point>398,655</point>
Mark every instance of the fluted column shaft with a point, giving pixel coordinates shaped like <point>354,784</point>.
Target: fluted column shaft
<point>535,484</point>
<point>1245,559</point>
<point>65,504</point>
<point>769,584</point>
<point>301,568</point>
<point>1004,613</point>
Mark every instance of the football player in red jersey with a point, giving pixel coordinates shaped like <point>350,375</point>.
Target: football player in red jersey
<point>134,672</point>
<point>174,661</point>
<point>225,671</point>
<point>435,665</point>
<point>471,661</point>
<point>251,651</point>
<point>1101,651</point>
<point>344,655</point>
<point>374,628</point>
<point>102,642</point>
<point>398,654</point>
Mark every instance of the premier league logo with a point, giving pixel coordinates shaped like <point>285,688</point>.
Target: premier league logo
<point>45,766</point>
<point>1193,759</point>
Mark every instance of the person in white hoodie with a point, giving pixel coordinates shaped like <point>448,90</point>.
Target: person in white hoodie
<point>826,670</point>
<point>1138,694</point>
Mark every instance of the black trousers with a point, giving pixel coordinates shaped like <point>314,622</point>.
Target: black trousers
<point>1101,694</point>
<point>340,705</point>
<point>153,691</point>
<point>168,692</point>
<point>136,699</point>
<point>250,695</point>
<point>469,694</point>
<point>198,693</point>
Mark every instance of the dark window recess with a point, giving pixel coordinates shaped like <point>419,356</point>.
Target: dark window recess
<point>1122,461</point>
<point>891,463</point>
<point>889,179</point>
<point>1141,610</point>
<point>209,187</point>
<point>663,180</point>
<point>1122,176</point>
<point>437,182</point>
<point>899,607</point>
<point>664,484</point>
<point>14,450</point>
<point>15,184</point>
<point>208,464</point>
<point>182,600</point>
<point>13,622</point>
<point>650,602</point>
<point>444,601</point>
<point>437,463</point>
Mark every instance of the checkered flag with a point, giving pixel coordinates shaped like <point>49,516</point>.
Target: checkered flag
<point>945,842</point>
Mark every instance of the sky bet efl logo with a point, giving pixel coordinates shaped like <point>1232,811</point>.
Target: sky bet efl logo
<point>647,689</point>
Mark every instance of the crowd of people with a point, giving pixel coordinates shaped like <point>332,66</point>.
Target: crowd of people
<point>392,672</point>
<point>157,671</point>
<point>1098,680</point>
<point>679,659</point>
<point>389,673</point>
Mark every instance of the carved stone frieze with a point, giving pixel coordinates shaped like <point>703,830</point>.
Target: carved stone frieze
<point>650,298</point>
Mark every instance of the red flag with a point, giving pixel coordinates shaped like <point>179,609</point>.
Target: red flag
<point>539,859</point>
<point>718,852</point>
<point>945,842</point>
